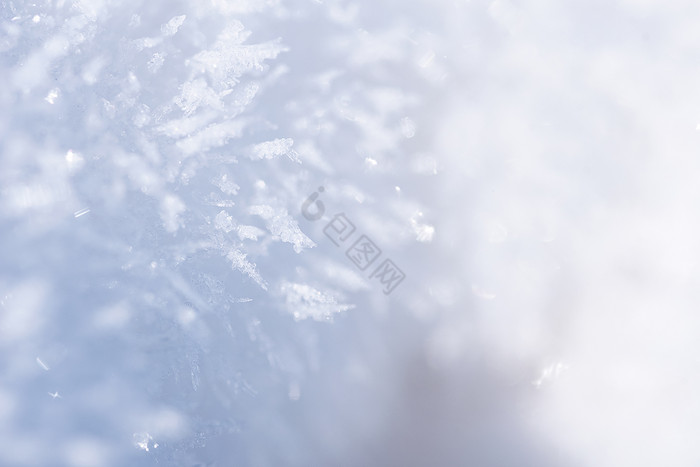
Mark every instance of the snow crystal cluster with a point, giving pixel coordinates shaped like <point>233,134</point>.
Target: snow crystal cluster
<point>512,281</point>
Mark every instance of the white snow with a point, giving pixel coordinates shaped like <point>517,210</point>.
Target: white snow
<point>226,185</point>
<point>171,27</point>
<point>283,226</point>
<point>304,301</point>
<point>224,222</point>
<point>229,58</point>
<point>213,136</point>
<point>239,262</point>
<point>171,209</point>
<point>531,166</point>
<point>275,148</point>
<point>249,232</point>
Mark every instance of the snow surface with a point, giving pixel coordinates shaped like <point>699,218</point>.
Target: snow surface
<point>524,174</point>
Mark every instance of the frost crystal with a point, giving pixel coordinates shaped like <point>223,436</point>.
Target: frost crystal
<point>226,185</point>
<point>143,441</point>
<point>229,58</point>
<point>239,261</point>
<point>170,28</point>
<point>150,223</point>
<point>195,93</point>
<point>283,226</point>
<point>304,301</point>
<point>213,136</point>
<point>224,222</point>
<point>249,232</point>
<point>275,148</point>
<point>156,62</point>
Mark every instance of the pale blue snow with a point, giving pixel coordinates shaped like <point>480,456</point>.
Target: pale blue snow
<point>531,166</point>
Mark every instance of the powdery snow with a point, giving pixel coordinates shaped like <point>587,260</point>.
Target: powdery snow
<point>529,167</point>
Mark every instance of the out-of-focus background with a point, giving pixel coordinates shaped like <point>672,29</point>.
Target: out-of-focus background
<point>512,187</point>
